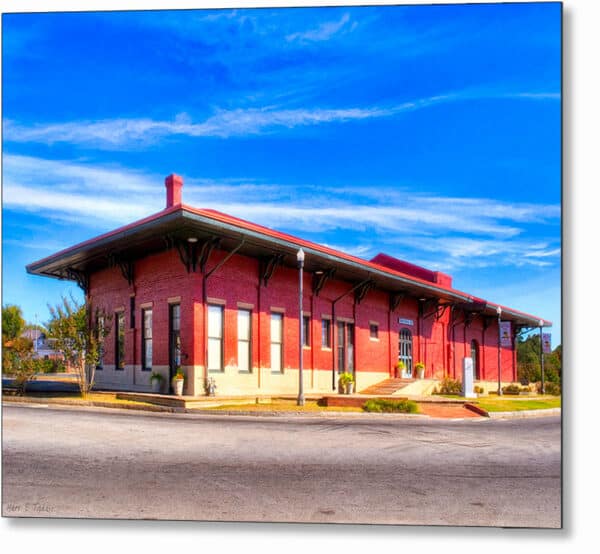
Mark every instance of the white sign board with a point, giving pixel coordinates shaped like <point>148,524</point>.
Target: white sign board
<point>467,378</point>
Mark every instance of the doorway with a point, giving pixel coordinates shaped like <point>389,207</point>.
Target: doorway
<point>405,353</point>
<point>345,347</point>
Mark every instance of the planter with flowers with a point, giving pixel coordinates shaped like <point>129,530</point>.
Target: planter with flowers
<point>177,382</point>
<point>420,367</point>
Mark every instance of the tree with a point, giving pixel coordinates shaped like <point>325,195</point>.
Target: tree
<point>12,322</point>
<point>528,361</point>
<point>79,337</point>
<point>18,361</point>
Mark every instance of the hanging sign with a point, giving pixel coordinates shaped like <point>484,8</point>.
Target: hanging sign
<point>403,321</point>
<point>547,343</point>
<point>505,333</point>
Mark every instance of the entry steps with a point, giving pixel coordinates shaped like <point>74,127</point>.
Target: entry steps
<point>388,386</point>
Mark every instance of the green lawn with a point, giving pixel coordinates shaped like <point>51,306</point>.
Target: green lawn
<point>283,405</point>
<point>507,404</point>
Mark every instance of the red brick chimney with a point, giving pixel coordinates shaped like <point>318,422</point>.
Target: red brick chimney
<point>173,183</point>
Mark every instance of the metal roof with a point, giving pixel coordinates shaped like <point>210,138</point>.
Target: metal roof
<point>180,222</point>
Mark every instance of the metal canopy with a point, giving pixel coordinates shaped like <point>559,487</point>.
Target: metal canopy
<point>172,227</point>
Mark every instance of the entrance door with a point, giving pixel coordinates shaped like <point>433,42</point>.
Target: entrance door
<point>475,358</point>
<point>174,339</point>
<point>345,347</point>
<point>405,353</point>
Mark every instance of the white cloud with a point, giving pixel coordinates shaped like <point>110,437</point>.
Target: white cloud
<point>323,32</point>
<point>112,134</point>
<point>103,197</point>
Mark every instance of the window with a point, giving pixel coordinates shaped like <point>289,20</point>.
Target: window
<point>276,343</point>
<point>174,337</point>
<point>120,341</point>
<point>215,338</point>
<point>374,331</point>
<point>326,333</point>
<point>146,340</point>
<point>405,351</point>
<point>306,330</point>
<point>100,337</point>
<point>245,340</point>
<point>132,312</point>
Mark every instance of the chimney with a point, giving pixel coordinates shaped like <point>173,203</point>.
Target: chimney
<point>173,183</point>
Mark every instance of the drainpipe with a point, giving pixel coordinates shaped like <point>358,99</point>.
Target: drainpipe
<point>334,327</point>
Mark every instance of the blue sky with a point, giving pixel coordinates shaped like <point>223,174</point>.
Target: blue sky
<point>431,133</point>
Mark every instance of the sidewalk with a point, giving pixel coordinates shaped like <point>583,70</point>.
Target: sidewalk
<point>428,408</point>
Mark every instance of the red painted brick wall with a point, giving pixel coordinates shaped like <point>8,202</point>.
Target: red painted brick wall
<point>163,276</point>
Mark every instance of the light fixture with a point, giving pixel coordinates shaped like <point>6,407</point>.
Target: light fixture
<point>300,256</point>
<point>192,239</point>
<point>319,272</point>
<point>499,311</point>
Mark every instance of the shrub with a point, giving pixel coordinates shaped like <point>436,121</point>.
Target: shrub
<point>346,378</point>
<point>380,405</point>
<point>552,388</point>
<point>514,389</point>
<point>478,390</point>
<point>449,386</point>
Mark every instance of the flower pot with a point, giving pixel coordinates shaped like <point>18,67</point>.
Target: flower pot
<point>349,388</point>
<point>178,386</point>
<point>156,385</point>
<point>421,373</point>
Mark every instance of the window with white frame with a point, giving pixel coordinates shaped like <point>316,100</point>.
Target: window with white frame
<point>244,340</point>
<point>276,342</point>
<point>146,339</point>
<point>215,338</point>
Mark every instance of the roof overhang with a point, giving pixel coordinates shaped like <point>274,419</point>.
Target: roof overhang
<point>179,223</point>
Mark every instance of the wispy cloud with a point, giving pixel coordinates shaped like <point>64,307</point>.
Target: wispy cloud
<point>135,133</point>
<point>323,31</point>
<point>439,230</point>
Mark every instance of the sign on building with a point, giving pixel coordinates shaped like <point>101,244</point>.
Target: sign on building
<point>505,334</point>
<point>403,321</point>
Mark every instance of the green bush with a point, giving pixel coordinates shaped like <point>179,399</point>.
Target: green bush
<point>449,386</point>
<point>346,378</point>
<point>514,389</point>
<point>551,388</point>
<point>380,405</point>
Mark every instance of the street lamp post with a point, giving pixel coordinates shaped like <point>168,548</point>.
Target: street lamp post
<point>300,258</point>
<point>542,355</point>
<point>499,312</point>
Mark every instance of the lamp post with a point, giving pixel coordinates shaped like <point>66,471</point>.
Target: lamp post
<point>499,312</point>
<point>300,258</point>
<point>542,355</point>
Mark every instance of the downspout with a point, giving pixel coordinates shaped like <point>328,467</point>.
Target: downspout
<point>205,277</point>
<point>334,326</point>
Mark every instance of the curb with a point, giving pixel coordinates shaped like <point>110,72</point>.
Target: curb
<point>525,413</point>
<point>280,414</point>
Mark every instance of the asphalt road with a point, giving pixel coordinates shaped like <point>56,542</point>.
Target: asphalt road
<point>60,462</point>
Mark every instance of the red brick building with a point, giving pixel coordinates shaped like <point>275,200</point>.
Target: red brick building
<point>219,297</point>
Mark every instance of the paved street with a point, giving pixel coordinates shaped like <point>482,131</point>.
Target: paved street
<point>108,463</point>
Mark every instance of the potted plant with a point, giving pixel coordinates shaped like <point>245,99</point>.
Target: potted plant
<point>399,367</point>
<point>347,383</point>
<point>156,380</point>
<point>177,382</point>
<point>420,367</point>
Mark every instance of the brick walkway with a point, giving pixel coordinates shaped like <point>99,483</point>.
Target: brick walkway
<point>446,411</point>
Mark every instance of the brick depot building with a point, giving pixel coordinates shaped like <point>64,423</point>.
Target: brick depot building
<point>219,297</point>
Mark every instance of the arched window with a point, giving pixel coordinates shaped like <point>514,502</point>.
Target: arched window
<point>405,351</point>
<point>475,358</point>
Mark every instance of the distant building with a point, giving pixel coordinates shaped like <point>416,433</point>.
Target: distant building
<point>219,297</point>
<point>43,347</point>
